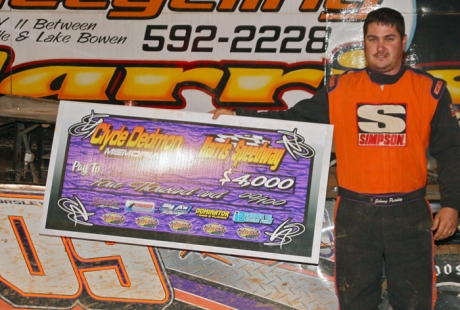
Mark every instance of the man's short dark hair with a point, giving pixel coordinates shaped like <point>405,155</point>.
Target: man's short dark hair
<point>387,17</point>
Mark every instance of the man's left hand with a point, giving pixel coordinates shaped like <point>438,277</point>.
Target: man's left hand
<point>445,223</point>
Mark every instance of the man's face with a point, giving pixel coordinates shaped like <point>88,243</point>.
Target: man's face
<point>384,48</point>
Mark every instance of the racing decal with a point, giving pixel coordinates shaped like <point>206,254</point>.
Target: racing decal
<point>105,203</point>
<point>437,88</point>
<point>332,83</point>
<point>181,225</point>
<point>215,229</point>
<point>176,209</point>
<point>52,272</point>
<point>382,125</point>
<point>113,218</point>
<point>251,217</point>
<point>215,214</point>
<point>139,206</point>
<point>147,222</point>
<point>248,233</point>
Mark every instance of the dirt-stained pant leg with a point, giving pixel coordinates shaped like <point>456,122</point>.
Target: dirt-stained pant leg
<point>364,234</point>
<point>358,255</point>
<point>409,256</point>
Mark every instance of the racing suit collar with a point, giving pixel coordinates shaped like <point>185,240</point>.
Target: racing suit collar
<point>381,78</point>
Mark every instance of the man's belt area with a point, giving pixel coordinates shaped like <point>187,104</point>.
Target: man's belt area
<point>383,200</point>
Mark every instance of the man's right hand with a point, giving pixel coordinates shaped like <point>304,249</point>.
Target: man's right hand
<point>219,112</point>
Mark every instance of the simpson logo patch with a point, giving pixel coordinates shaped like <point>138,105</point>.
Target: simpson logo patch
<point>382,125</point>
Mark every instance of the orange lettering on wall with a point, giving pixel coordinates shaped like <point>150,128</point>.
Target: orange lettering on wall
<point>21,4</point>
<point>250,5</point>
<point>272,5</point>
<point>160,84</point>
<point>69,82</point>
<point>179,5</point>
<point>341,5</point>
<point>164,83</point>
<point>86,4</point>
<point>135,9</point>
<point>227,5</point>
<point>310,5</point>
<point>338,10</point>
<point>268,5</point>
<point>259,85</point>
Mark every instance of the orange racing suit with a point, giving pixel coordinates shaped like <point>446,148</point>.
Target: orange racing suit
<point>383,126</point>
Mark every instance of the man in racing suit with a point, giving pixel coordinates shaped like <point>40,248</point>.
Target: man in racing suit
<point>385,117</point>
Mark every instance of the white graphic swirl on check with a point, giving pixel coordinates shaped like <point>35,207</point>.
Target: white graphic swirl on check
<point>76,211</point>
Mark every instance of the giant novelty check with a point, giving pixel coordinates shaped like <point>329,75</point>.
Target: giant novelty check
<point>168,178</point>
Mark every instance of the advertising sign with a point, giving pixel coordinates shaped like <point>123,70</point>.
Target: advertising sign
<point>198,55</point>
<point>236,185</point>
